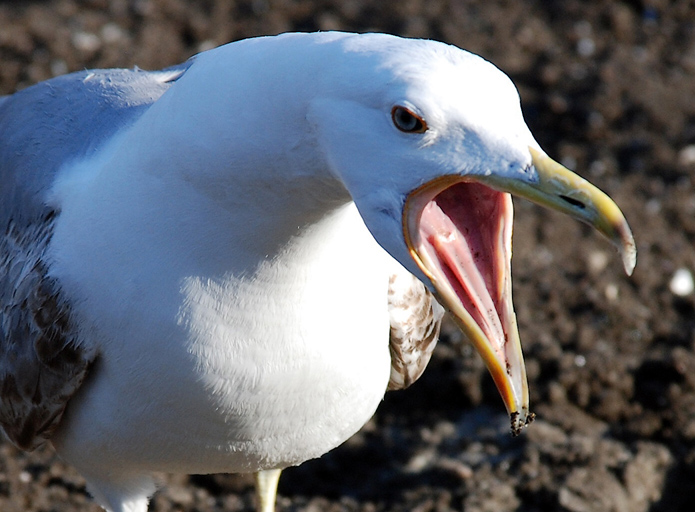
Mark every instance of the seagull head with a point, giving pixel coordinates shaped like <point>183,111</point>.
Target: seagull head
<point>431,144</point>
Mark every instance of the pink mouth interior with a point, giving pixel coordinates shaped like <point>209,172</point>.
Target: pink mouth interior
<point>466,231</point>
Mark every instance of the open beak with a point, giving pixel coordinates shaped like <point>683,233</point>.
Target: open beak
<point>458,229</point>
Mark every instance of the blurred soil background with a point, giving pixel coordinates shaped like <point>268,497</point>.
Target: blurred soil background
<point>608,88</point>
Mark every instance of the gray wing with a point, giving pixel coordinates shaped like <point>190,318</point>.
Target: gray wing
<point>43,128</point>
<point>70,117</point>
<point>416,318</point>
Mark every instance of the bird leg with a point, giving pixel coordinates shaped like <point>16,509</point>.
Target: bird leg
<point>266,489</point>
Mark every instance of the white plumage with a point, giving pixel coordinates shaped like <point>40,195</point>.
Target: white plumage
<point>219,239</point>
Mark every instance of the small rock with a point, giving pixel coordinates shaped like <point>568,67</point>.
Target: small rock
<point>586,47</point>
<point>86,42</point>
<point>591,489</point>
<point>111,33</point>
<point>682,282</point>
<point>611,292</point>
<point>686,156</point>
<point>598,260</point>
<point>645,475</point>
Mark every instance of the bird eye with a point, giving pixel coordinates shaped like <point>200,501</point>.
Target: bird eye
<point>407,121</point>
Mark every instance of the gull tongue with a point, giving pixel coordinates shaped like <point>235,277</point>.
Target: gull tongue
<point>468,251</point>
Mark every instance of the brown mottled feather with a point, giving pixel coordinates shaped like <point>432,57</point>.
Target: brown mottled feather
<point>41,364</point>
<point>415,321</point>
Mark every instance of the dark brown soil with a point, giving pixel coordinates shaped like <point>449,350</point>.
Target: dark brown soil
<point>608,88</point>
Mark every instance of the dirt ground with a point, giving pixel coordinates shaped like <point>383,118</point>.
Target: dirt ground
<point>608,88</point>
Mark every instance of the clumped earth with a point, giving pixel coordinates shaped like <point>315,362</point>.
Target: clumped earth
<point>608,88</point>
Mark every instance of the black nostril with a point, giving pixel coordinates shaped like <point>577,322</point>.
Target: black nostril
<point>573,202</point>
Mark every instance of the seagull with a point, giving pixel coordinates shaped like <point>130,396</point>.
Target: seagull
<point>224,265</point>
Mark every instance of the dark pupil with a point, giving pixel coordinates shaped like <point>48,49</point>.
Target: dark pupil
<point>406,121</point>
